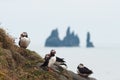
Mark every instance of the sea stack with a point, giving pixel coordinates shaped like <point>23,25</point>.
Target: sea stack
<point>88,42</point>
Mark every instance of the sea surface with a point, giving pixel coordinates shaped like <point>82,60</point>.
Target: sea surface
<point>104,62</point>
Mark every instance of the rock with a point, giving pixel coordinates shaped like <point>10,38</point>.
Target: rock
<point>53,39</point>
<point>66,74</point>
<point>88,42</point>
<point>70,40</point>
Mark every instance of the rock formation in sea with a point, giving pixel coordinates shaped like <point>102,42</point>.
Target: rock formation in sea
<point>70,40</point>
<point>88,42</point>
<point>53,39</point>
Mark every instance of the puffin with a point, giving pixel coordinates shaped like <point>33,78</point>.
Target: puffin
<point>50,60</point>
<point>83,71</point>
<point>24,40</point>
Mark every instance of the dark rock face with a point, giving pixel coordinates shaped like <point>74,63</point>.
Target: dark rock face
<point>78,77</point>
<point>88,42</point>
<point>69,40</point>
<point>53,39</point>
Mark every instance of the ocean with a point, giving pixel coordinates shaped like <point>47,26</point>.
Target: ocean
<point>104,62</point>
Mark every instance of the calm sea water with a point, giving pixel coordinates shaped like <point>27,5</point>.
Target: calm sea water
<point>105,62</point>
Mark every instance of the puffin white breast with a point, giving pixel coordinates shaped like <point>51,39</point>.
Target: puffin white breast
<point>52,61</point>
<point>24,42</point>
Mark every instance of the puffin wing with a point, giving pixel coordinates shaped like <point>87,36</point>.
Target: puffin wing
<point>45,63</point>
<point>84,70</point>
<point>60,59</point>
<point>87,71</point>
<point>61,62</point>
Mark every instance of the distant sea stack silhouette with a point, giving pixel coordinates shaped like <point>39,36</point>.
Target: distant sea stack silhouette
<point>88,42</point>
<point>53,40</point>
<point>70,40</point>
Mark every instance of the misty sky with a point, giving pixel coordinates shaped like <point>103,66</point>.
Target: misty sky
<point>39,17</point>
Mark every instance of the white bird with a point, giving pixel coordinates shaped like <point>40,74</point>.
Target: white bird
<point>24,40</point>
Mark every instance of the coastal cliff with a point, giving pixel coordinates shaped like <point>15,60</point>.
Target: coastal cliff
<point>23,64</point>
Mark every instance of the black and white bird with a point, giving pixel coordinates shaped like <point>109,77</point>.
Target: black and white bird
<point>83,71</point>
<point>24,40</point>
<point>51,59</point>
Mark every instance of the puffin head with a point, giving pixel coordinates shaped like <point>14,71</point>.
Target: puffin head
<point>81,65</point>
<point>24,34</point>
<point>52,52</point>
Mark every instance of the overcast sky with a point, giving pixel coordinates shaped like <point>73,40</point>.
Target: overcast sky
<point>38,17</point>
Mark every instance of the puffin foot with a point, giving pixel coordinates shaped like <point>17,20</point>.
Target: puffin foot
<point>50,69</point>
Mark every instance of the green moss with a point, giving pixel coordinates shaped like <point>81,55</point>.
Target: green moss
<point>36,73</point>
